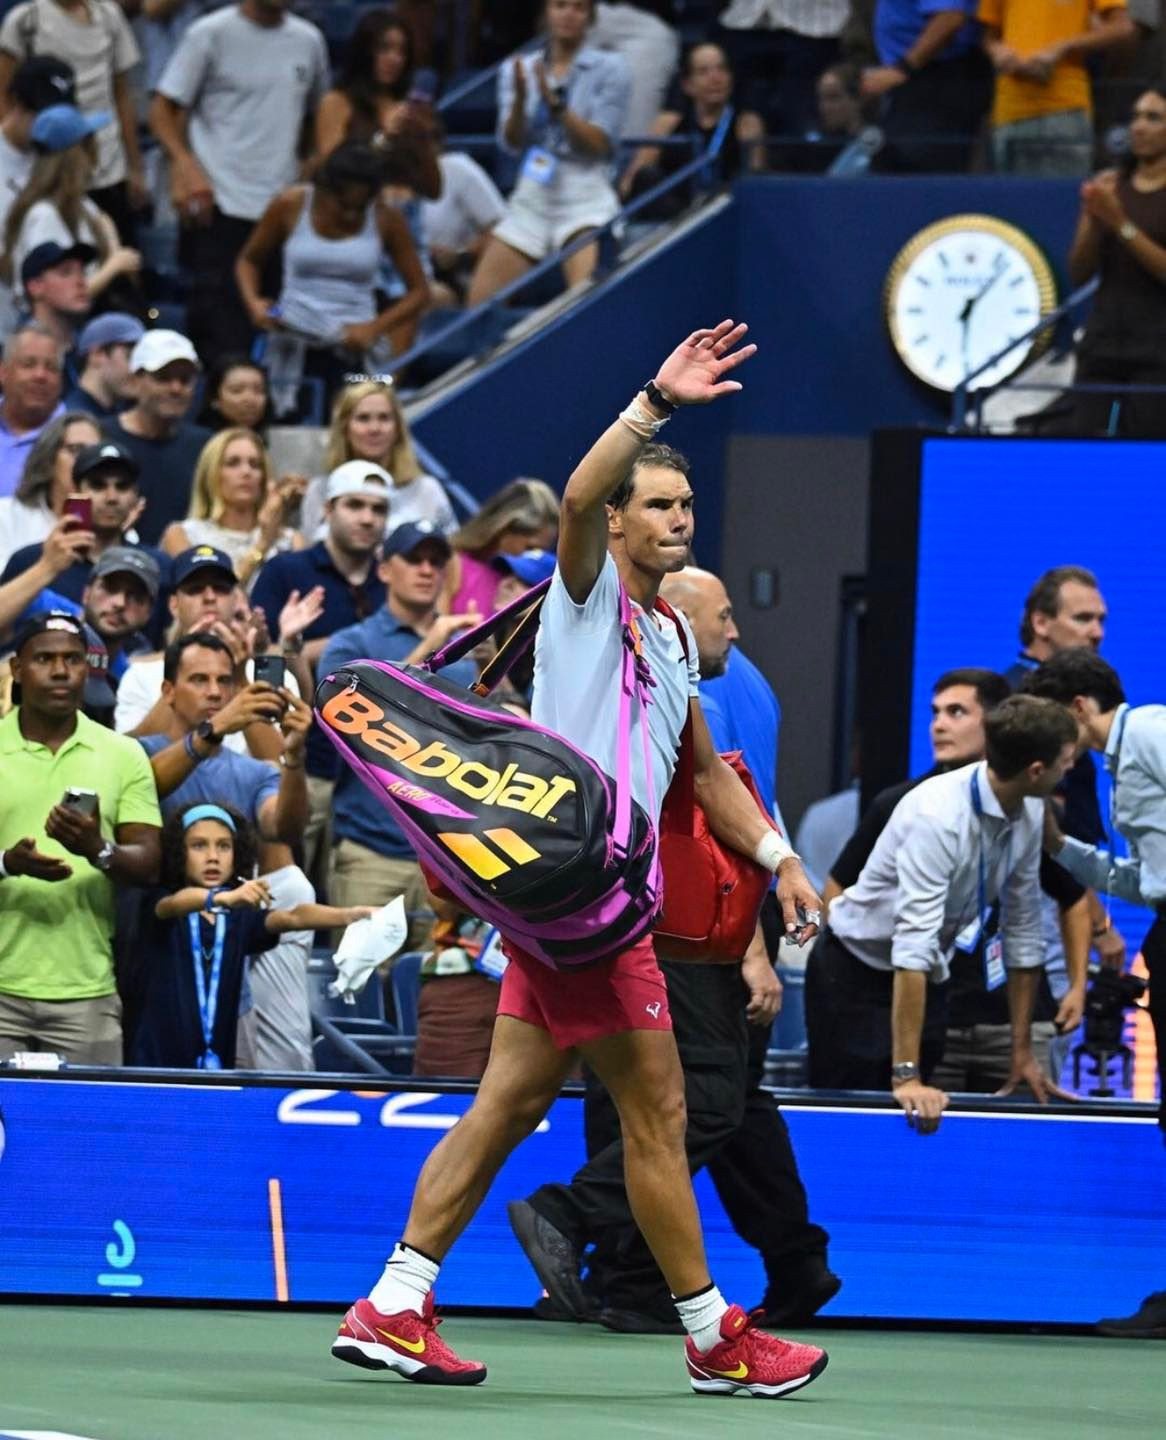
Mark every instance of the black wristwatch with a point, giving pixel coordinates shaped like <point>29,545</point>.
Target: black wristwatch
<point>656,397</point>
<point>205,730</point>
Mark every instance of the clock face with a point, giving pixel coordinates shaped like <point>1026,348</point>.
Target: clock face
<point>959,292</point>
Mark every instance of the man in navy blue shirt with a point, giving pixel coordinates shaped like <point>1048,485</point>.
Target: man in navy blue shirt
<point>934,80</point>
<point>342,570</point>
<point>372,862</point>
<point>108,475</point>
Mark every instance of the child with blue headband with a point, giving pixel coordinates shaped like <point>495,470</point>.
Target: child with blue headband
<point>196,938</point>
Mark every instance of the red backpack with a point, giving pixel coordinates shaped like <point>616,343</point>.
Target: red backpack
<point>712,895</point>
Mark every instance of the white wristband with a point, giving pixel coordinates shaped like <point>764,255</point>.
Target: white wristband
<point>773,851</point>
<point>3,867</point>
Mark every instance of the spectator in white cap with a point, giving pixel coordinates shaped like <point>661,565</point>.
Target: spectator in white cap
<point>103,350</point>
<point>164,369</point>
<point>54,208</point>
<point>96,41</point>
<point>342,569</point>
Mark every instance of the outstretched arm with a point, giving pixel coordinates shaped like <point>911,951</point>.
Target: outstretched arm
<point>692,375</point>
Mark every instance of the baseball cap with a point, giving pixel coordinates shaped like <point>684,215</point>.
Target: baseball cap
<point>199,557</point>
<point>59,126</point>
<point>359,477</point>
<point>530,567</point>
<point>45,257</point>
<point>41,81</point>
<point>43,622</point>
<point>112,328</point>
<point>109,452</point>
<point>408,536</point>
<point>159,348</point>
<point>98,691</point>
<point>125,560</point>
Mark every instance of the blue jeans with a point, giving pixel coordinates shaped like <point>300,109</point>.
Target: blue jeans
<point>1060,144</point>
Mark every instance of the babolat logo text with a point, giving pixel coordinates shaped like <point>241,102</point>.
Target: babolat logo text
<point>352,714</point>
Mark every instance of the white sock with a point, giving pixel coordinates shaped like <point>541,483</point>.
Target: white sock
<point>409,1276</point>
<point>700,1314</point>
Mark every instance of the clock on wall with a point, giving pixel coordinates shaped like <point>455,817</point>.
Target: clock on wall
<point>959,291</point>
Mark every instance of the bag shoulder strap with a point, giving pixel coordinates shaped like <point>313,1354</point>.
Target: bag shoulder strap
<point>529,602</point>
<point>678,813</point>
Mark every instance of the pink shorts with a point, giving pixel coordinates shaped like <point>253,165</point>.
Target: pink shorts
<point>575,1007</point>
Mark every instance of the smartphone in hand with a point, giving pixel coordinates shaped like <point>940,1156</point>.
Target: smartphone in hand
<point>80,507</point>
<point>271,670</point>
<point>83,801</point>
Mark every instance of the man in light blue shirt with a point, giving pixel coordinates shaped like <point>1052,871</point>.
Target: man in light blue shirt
<point>30,377</point>
<point>1132,742</point>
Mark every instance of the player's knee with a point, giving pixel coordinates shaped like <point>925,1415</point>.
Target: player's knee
<point>658,1126</point>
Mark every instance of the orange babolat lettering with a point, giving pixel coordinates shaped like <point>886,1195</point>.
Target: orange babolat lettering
<point>511,788</point>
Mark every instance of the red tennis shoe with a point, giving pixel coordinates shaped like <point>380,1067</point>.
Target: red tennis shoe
<point>407,1343</point>
<point>747,1361</point>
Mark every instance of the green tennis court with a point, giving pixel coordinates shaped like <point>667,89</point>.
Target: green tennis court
<point>193,1374</point>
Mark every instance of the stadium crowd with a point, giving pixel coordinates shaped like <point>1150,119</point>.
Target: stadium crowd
<point>168,598</point>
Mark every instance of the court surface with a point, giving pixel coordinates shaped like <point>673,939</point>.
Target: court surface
<point>196,1374</point>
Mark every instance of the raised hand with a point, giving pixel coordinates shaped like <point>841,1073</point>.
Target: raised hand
<point>694,373</point>
<point>300,612</point>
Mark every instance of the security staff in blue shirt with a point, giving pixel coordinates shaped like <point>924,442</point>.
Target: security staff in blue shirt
<point>371,857</point>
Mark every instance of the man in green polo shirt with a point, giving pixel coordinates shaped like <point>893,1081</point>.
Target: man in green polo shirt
<point>59,864</point>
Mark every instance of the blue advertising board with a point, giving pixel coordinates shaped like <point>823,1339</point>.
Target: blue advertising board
<point>251,1192</point>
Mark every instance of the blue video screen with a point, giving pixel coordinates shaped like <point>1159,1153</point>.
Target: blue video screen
<point>994,514</point>
<point>235,1192</point>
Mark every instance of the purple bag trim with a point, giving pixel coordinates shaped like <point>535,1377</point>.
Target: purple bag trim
<point>526,931</point>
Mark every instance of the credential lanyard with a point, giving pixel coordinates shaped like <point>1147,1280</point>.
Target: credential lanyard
<point>208,994</point>
<point>1113,831</point>
<point>994,948</point>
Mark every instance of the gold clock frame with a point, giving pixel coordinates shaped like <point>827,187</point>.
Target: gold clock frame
<point>988,225</point>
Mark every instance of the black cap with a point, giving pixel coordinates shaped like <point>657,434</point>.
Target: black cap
<point>199,557</point>
<point>42,81</point>
<point>45,257</point>
<point>110,453</point>
<point>45,622</point>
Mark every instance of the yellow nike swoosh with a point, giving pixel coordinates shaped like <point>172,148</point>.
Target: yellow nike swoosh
<point>417,1347</point>
<point>738,1374</point>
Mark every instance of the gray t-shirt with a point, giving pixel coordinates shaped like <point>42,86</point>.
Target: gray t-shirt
<point>248,89</point>
<point>97,49</point>
<point>577,674</point>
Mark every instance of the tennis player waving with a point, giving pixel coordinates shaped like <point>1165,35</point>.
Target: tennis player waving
<point>627,518</point>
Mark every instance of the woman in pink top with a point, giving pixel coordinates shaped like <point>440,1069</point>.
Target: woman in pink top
<point>524,515</point>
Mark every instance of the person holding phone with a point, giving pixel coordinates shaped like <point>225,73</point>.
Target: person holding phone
<point>30,514</point>
<point>99,513</point>
<point>563,111</point>
<point>63,854</point>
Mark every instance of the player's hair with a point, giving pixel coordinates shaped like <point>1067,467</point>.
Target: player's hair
<point>1045,595</point>
<point>990,687</point>
<point>1024,730</point>
<point>1080,671</point>
<point>174,847</point>
<point>654,457</point>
